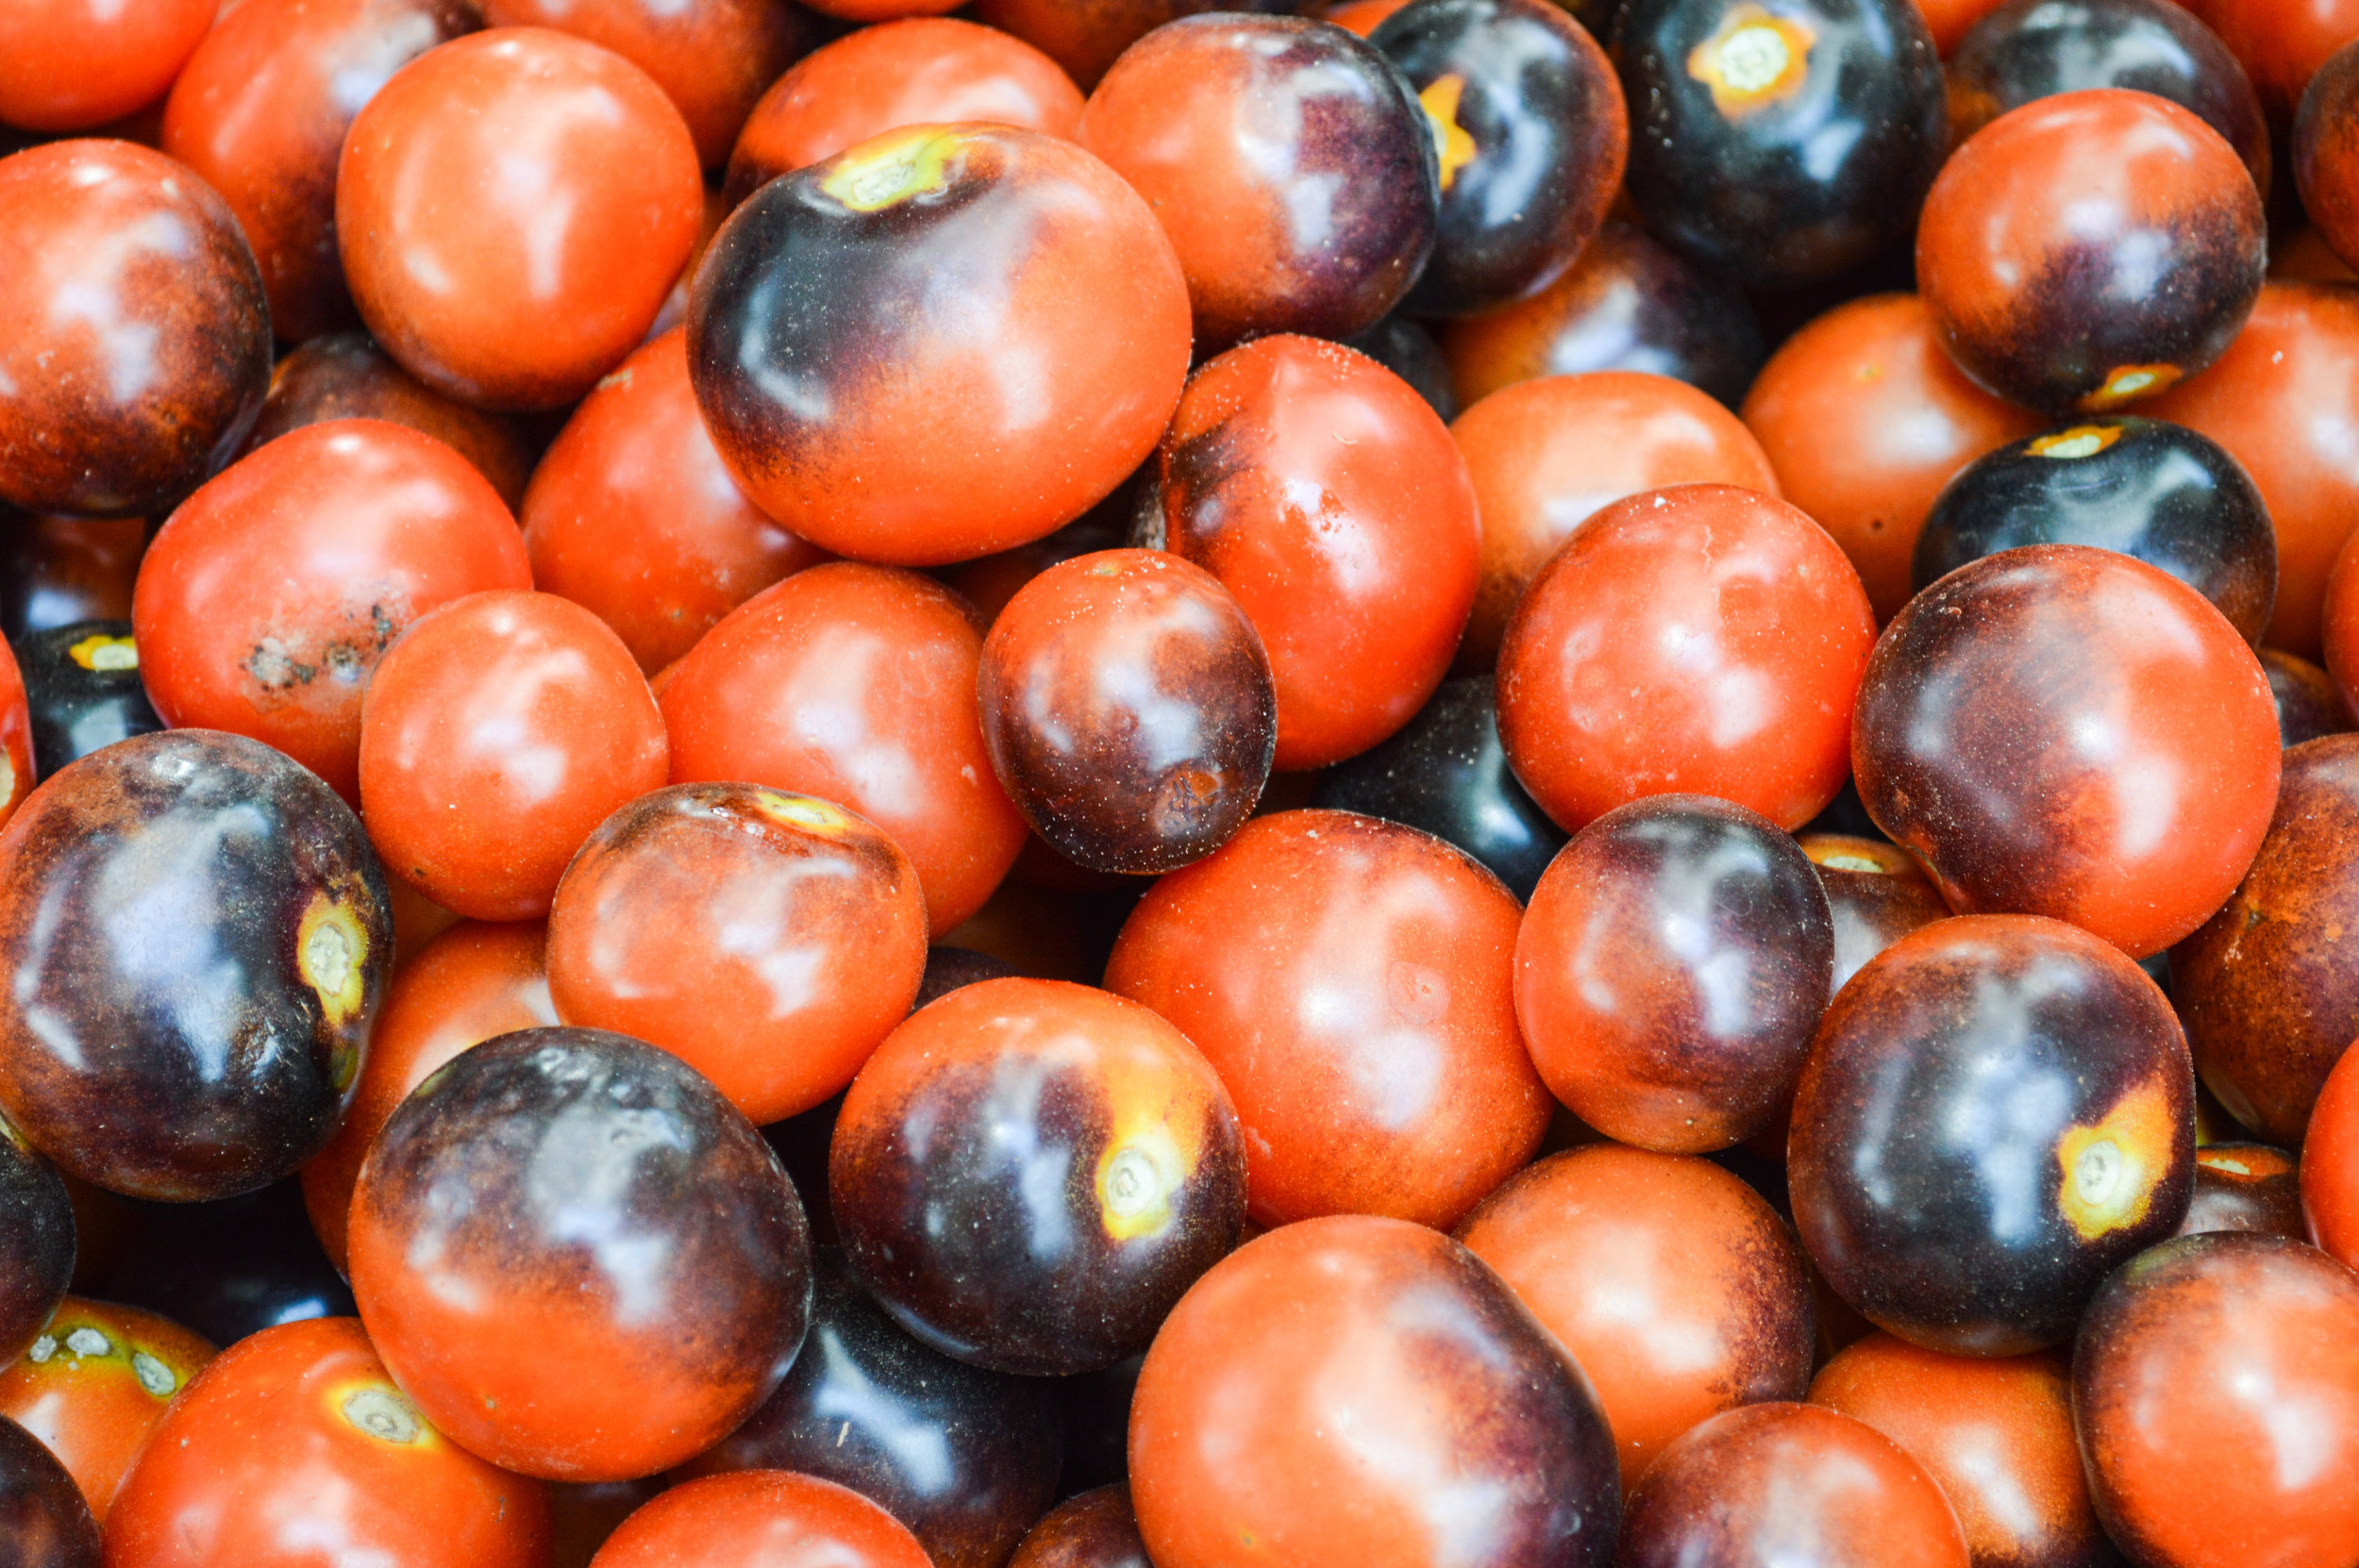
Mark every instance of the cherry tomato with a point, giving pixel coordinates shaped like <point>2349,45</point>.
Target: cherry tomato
<point>16,737</point>
<point>1329,498</point>
<point>497,733</point>
<point>95,1383</point>
<point>266,602</point>
<point>757,1517</point>
<point>293,1448</point>
<point>2282,43</point>
<point>511,210</point>
<point>856,684</point>
<point>70,65</point>
<point>633,516</point>
<point>468,984</point>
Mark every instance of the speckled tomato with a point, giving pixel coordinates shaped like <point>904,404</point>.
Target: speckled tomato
<point>1546,455</point>
<point>1333,1388</point>
<point>267,601</point>
<point>2090,249</point>
<point>469,984</point>
<point>95,1384</point>
<point>856,684</point>
<point>712,57</point>
<point>1329,498</point>
<point>761,1517</point>
<point>296,1435</point>
<point>769,941</point>
<point>1701,640</point>
<point>923,70</point>
<point>2256,1338</point>
<point>1785,1482</point>
<point>1999,1111</point>
<point>261,113</point>
<point>633,516</point>
<point>1367,1033</point>
<point>1994,1433</point>
<point>1864,419</point>
<point>69,65</point>
<point>137,346</point>
<point>511,210</point>
<point>600,1325</point>
<point>1675,1286</point>
<point>1000,290</point>
<point>2129,800</point>
<point>1233,126</point>
<point>1639,942</point>
<point>2283,401</point>
<point>496,734</point>
<point>1030,1174</point>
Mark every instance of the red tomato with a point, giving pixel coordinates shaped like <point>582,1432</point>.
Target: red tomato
<point>759,1519</point>
<point>293,1449</point>
<point>16,737</point>
<point>269,597</point>
<point>95,1383</point>
<point>70,65</point>
<point>497,733</point>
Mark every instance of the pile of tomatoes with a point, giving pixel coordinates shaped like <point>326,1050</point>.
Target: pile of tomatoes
<point>1397,784</point>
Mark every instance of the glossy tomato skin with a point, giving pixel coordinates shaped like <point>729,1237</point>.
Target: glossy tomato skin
<point>1971,755</point>
<point>261,112</point>
<point>2243,1186</point>
<point>2330,1165</point>
<point>54,570</point>
<point>71,65</point>
<point>770,941</point>
<point>1864,418</point>
<point>345,375</point>
<point>760,1517</point>
<point>1097,1530</point>
<point>1546,455</point>
<point>37,1240</point>
<point>473,982</point>
<point>268,599</point>
<point>2283,401</point>
<point>2257,1339</point>
<point>918,71</point>
<point>1446,774</point>
<point>759,699</point>
<point>965,1458</point>
<point>511,210</point>
<point>1645,927</point>
<point>1994,1433</point>
<point>2153,491</point>
<point>1628,303</point>
<point>1029,1175</point>
<point>212,1054</point>
<point>497,734</point>
<point>898,286</point>
<point>1601,703</point>
<point>1789,1482</point>
<point>95,1384</point>
<point>1876,893</point>
<point>296,1435</point>
<point>46,1522</point>
<point>1528,122</point>
<point>1780,148</point>
<point>2269,1005</point>
<point>125,419</point>
<point>1329,498</point>
<point>633,516</point>
<point>713,59</point>
<point>2326,151</point>
<point>1250,1407</point>
<point>2283,44</point>
<point>1130,708</point>
<point>2022,252</point>
<point>2027,50</point>
<point>1405,1090</point>
<point>82,692</point>
<point>1232,126</point>
<point>16,737</point>
<point>578,1333</point>
<point>1674,1287</point>
<point>1086,39</point>
<point>1997,1111</point>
